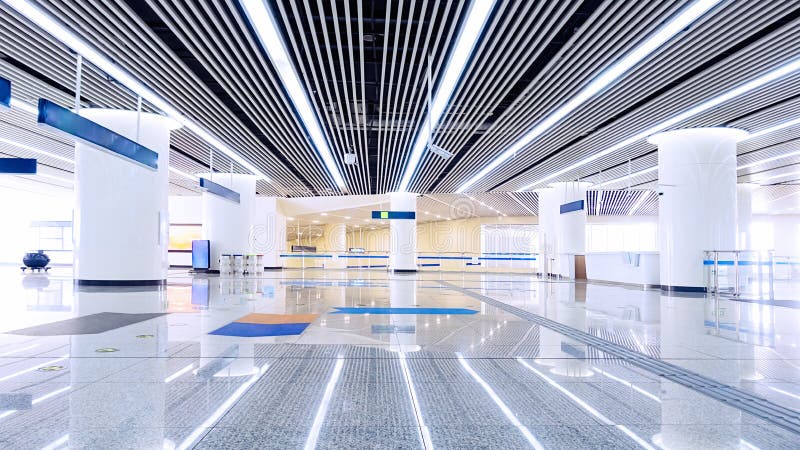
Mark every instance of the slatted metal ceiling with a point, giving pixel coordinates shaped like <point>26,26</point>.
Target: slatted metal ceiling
<point>364,64</point>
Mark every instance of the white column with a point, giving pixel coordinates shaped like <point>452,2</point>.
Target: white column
<point>744,210</point>
<point>786,234</point>
<point>228,225</point>
<point>403,233</point>
<point>697,205</point>
<point>335,236</point>
<point>571,226</point>
<point>562,236</point>
<point>547,229</point>
<point>121,223</point>
<point>269,234</point>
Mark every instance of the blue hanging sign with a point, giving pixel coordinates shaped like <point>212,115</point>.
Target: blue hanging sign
<point>5,93</point>
<point>220,190</point>
<point>66,121</point>
<point>392,215</point>
<point>18,166</point>
<point>577,205</point>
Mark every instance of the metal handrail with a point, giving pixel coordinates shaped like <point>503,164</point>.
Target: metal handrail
<point>736,264</point>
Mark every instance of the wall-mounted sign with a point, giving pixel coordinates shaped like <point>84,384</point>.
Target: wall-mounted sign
<point>220,190</point>
<point>19,166</point>
<point>5,93</point>
<point>66,121</point>
<point>577,205</point>
<point>304,248</point>
<point>392,215</point>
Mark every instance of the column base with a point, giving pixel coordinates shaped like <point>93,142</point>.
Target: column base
<point>667,288</point>
<point>274,268</point>
<point>404,270</point>
<point>121,282</point>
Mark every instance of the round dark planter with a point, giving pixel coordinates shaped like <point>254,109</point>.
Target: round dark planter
<point>36,260</point>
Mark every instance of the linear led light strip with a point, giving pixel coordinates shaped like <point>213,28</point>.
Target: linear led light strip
<point>742,89</point>
<point>760,133</point>
<point>38,400</point>
<point>744,166</point>
<point>586,406</point>
<point>425,435</point>
<point>656,399</point>
<point>601,82</point>
<point>637,205</point>
<point>468,36</point>
<point>265,26</point>
<point>67,160</point>
<point>501,404</point>
<point>81,47</point>
<point>222,409</point>
<point>322,410</point>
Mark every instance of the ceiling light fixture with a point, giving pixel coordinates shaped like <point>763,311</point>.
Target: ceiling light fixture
<point>468,36</point>
<point>780,175</point>
<point>623,178</point>
<point>27,107</point>
<point>61,33</point>
<point>183,174</point>
<point>35,150</point>
<point>742,89</point>
<point>639,202</point>
<point>601,82</point>
<point>266,27</point>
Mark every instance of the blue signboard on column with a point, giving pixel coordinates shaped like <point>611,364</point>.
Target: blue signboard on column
<point>64,120</point>
<point>577,205</point>
<point>5,93</point>
<point>218,189</point>
<point>394,215</point>
<point>19,166</point>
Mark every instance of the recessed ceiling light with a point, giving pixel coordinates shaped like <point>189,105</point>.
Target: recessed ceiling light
<point>315,221</point>
<point>290,218</point>
<point>603,80</point>
<point>347,217</point>
<point>468,36</point>
<point>323,214</point>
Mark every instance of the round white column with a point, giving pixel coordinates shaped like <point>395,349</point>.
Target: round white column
<point>228,225</point>
<point>403,233</point>
<point>697,205</point>
<point>744,210</point>
<point>121,223</point>
<point>571,226</point>
<point>547,230</point>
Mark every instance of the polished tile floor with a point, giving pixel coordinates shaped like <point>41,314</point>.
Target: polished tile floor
<point>367,359</point>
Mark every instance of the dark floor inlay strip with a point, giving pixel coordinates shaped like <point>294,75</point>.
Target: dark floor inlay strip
<point>91,324</point>
<point>785,418</point>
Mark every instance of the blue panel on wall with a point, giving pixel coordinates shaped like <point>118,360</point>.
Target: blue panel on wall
<point>201,254</point>
<point>22,166</point>
<point>577,205</point>
<point>90,132</point>
<point>391,215</point>
<point>5,93</point>
<point>218,189</point>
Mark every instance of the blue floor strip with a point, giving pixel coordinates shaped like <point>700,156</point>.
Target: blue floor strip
<point>240,329</point>
<point>454,311</point>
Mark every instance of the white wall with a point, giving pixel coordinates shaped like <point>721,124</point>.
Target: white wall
<point>20,207</point>
<point>184,209</point>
